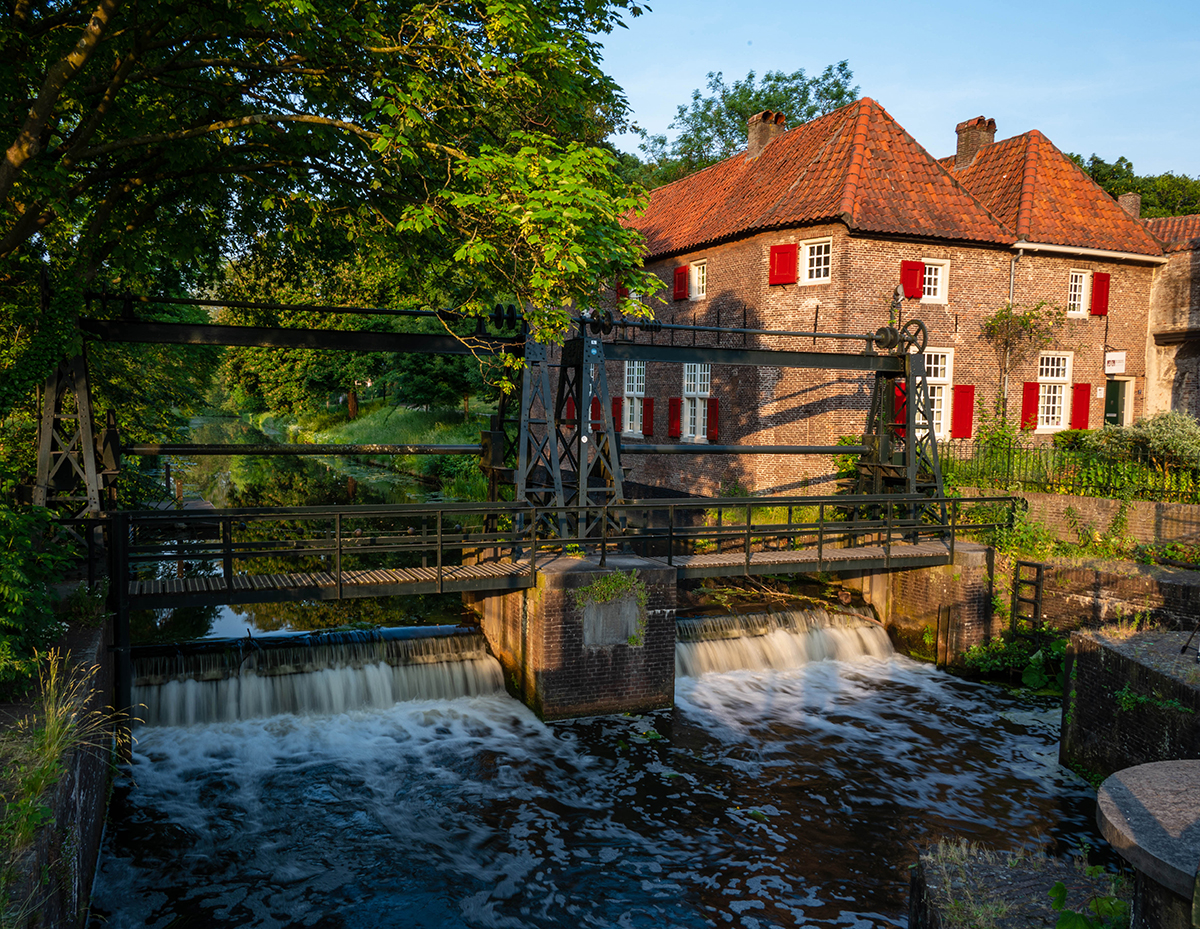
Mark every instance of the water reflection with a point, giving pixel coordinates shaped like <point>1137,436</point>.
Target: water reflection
<point>278,481</point>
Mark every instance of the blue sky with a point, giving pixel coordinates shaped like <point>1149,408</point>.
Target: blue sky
<point>1104,77</point>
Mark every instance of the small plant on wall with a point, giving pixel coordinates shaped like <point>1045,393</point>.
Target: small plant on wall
<point>618,586</point>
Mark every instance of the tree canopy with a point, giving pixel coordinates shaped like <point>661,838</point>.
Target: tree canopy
<point>147,142</point>
<point>1166,194</point>
<point>712,128</point>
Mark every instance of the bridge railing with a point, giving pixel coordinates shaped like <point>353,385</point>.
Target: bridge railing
<point>336,541</point>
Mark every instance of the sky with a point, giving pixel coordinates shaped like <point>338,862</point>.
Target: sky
<point>1101,77</point>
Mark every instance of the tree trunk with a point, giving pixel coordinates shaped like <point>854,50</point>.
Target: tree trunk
<point>352,405</point>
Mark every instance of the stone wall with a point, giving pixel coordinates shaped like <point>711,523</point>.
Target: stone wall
<point>54,877</point>
<point>1143,520</point>
<point>564,661</point>
<point>936,613</point>
<point>1119,711</point>
<point>1090,594</point>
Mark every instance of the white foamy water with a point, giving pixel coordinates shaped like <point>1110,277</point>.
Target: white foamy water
<point>768,797</point>
<point>778,641</point>
<point>228,685</point>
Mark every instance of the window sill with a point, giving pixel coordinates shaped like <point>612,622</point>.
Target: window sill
<point>939,301</point>
<point>824,280</point>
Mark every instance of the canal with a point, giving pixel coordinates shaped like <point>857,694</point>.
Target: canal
<point>794,790</point>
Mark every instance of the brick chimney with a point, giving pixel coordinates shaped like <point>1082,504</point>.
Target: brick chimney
<point>763,127</point>
<point>1131,203</point>
<point>973,134</point>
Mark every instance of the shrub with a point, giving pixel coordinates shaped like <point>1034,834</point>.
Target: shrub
<point>34,552</point>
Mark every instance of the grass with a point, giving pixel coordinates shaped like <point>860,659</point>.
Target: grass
<point>947,867</point>
<point>459,476</point>
<point>36,752</point>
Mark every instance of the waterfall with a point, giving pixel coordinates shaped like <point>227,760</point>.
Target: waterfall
<point>765,641</point>
<point>317,674</point>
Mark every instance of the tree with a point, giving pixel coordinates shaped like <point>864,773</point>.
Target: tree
<point>463,139</point>
<point>713,128</point>
<point>1167,194</point>
<point>1017,333</point>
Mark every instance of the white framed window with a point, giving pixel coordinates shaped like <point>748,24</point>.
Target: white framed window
<point>939,373</point>
<point>635,396</point>
<point>698,283</point>
<point>697,381</point>
<point>1054,375</point>
<point>816,261</point>
<point>1079,293</point>
<point>935,285</point>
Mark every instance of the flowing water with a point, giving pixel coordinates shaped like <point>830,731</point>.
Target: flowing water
<point>793,790</point>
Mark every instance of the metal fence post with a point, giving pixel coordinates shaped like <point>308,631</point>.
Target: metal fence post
<point>747,568</point>
<point>671,535</point>
<point>439,551</point>
<point>227,551</point>
<point>337,552</point>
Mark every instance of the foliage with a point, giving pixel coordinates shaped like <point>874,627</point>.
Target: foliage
<point>34,552</point>
<point>846,466</point>
<point>462,142</point>
<point>37,748</point>
<point>1017,333</point>
<point>618,585</point>
<point>713,128</point>
<point>1128,699</point>
<point>1106,911</point>
<point>1019,656</point>
<point>1166,194</point>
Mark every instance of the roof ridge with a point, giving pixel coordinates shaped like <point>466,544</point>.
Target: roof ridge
<point>1028,183</point>
<point>959,185</point>
<point>858,143</point>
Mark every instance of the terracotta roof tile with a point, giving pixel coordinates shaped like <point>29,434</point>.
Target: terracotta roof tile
<point>1178,233</point>
<point>1045,197</point>
<point>855,164</point>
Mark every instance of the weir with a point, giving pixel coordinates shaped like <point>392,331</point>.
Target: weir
<point>309,675</point>
<point>232,679</point>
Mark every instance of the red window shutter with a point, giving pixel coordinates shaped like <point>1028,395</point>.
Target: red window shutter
<point>597,414</point>
<point>570,409</point>
<point>912,277</point>
<point>648,416</point>
<point>1081,401</point>
<point>618,409</point>
<point>1100,284</point>
<point>962,410</point>
<point>713,411</point>
<point>901,406</point>
<point>1029,405</point>
<point>681,282</point>
<point>783,264</point>
<point>675,417</point>
<point>622,292</point>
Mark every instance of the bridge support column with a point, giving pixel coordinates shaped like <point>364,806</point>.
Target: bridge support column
<point>567,653</point>
<point>935,613</point>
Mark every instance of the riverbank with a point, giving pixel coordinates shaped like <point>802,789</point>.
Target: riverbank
<point>458,476</point>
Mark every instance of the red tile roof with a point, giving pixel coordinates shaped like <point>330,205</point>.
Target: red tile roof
<point>856,165</point>
<point>1179,233</point>
<point>1044,197</point>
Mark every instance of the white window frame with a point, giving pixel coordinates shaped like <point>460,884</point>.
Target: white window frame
<point>1081,280</point>
<point>1054,379</point>
<point>698,280</point>
<point>697,387</point>
<point>820,250</point>
<point>940,383</point>
<point>635,398</point>
<point>942,294</point>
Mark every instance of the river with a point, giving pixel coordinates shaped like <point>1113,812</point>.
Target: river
<point>796,796</point>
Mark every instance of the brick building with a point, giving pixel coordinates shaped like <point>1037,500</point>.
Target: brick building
<point>1173,356</point>
<point>813,229</point>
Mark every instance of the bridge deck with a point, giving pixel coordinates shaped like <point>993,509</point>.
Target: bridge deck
<point>808,560</point>
<point>323,585</point>
<point>383,582</point>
